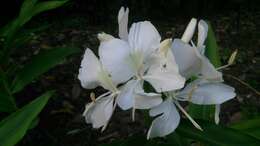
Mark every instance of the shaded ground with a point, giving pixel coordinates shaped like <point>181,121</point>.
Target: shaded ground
<point>61,123</point>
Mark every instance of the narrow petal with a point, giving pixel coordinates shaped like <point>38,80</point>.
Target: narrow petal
<point>207,93</point>
<point>202,34</point>
<point>89,70</point>
<point>167,122</point>
<point>143,36</point>
<point>99,112</point>
<point>122,23</point>
<point>114,56</point>
<point>186,57</point>
<point>190,29</point>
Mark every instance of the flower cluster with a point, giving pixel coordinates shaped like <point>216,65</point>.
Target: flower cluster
<point>139,56</point>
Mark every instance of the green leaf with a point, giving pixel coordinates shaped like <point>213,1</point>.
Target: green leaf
<point>38,65</point>
<point>212,47</point>
<point>216,135</point>
<point>14,127</point>
<point>206,112</point>
<point>7,102</point>
<point>251,127</point>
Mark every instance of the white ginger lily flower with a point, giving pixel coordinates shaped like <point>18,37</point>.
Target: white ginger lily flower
<point>168,118</point>
<point>91,75</point>
<point>208,89</point>
<point>140,58</point>
<point>191,58</point>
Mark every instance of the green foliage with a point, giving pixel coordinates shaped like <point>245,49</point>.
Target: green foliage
<point>216,135</point>
<point>40,64</point>
<point>212,134</point>
<point>251,127</point>
<point>29,9</point>
<point>14,127</point>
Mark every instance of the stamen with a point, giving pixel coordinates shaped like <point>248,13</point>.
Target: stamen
<point>188,116</point>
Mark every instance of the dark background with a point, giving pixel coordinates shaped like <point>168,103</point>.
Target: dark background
<point>97,11</point>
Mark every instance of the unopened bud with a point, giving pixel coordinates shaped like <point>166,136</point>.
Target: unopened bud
<point>104,37</point>
<point>232,57</point>
<point>190,29</point>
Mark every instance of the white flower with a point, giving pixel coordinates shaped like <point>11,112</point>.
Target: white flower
<point>91,75</point>
<point>168,119</point>
<point>208,89</point>
<point>141,59</point>
<point>191,58</point>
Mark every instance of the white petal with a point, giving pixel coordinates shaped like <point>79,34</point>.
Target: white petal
<point>165,123</point>
<point>89,70</point>
<point>122,23</point>
<point>188,34</point>
<point>125,99</point>
<point>207,93</point>
<point>147,100</point>
<point>114,56</point>
<point>143,36</point>
<point>132,95</point>
<point>208,71</point>
<point>202,33</point>
<point>99,112</point>
<point>186,57</point>
<point>163,75</point>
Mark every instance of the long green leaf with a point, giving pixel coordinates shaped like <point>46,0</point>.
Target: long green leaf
<point>39,64</point>
<point>216,135</point>
<point>14,127</point>
<point>206,112</point>
<point>251,127</point>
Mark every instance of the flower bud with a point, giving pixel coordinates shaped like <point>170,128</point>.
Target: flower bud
<point>187,35</point>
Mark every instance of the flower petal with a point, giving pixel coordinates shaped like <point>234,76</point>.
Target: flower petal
<point>206,93</point>
<point>163,74</point>
<point>89,69</point>
<point>122,23</point>
<point>114,56</point>
<point>132,95</point>
<point>143,37</point>
<point>189,31</point>
<point>146,100</point>
<point>99,112</point>
<point>186,57</point>
<point>125,99</point>
<point>202,34</point>
<point>208,71</point>
<point>165,123</point>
